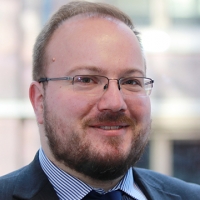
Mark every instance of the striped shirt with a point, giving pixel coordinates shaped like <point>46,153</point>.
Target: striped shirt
<point>68,187</point>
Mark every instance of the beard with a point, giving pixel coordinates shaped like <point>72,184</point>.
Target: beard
<point>72,149</point>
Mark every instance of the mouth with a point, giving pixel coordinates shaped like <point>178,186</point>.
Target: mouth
<point>111,127</point>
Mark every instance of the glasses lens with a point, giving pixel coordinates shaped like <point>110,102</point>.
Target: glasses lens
<point>136,85</point>
<point>90,84</point>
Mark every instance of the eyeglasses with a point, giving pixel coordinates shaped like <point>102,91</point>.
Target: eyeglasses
<point>95,84</point>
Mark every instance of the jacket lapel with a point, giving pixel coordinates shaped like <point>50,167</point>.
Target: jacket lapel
<point>33,184</point>
<point>152,188</point>
<point>46,192</point>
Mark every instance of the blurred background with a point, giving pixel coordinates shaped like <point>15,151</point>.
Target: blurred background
<point>170,31</point>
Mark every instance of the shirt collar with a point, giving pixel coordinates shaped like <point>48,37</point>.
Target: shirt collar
<point>66,186</point>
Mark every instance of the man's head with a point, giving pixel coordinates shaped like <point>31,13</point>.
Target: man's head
<point>99,135</point>
<point>40,58</point>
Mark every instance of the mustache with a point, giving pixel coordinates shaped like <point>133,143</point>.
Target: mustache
<point>108,116</point>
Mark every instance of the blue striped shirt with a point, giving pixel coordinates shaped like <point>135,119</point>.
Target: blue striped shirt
<point>68,187</point>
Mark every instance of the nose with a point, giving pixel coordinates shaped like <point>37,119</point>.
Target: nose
<point>106,86</point>
<point>112,98</point>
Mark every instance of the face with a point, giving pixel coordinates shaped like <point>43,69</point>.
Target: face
<point>102,135</point>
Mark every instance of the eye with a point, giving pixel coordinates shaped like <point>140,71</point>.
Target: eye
<point>86,80</point>
<point>131,82</point>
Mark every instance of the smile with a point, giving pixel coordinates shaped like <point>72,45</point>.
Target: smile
<point>110,130</point>
<point>110,127</point>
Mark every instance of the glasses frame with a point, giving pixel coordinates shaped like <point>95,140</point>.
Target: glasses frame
<point>42,80</point>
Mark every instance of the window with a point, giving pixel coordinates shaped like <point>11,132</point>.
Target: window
<point>184,11</point>
<point>186,160</point>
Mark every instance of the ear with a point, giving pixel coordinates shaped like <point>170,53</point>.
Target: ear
<point>36,95</point>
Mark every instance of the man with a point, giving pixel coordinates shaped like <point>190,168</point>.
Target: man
<point>91,100</point>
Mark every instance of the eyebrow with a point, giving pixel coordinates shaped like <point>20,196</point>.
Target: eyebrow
<point>99,70</point>
<point>88,68</point>
<point>133,71</point>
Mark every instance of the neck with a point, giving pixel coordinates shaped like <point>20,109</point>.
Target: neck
<point>105,185</point>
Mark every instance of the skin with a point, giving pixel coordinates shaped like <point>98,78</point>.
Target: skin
<point>101,46</point>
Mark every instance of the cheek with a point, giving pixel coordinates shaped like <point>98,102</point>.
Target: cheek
<point>140,109</point>
<point>72,106</point>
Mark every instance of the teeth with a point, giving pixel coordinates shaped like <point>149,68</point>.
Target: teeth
<point>110,127</point>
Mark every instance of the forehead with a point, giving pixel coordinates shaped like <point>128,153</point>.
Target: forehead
<point>85,24</point>
<point>91,40</point>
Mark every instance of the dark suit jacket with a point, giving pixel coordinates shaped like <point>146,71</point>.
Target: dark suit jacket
<point>31,183</point>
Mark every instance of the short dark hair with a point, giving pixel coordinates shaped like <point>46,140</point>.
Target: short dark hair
<point>65,12</point>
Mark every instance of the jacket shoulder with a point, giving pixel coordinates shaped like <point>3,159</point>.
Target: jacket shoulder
<point>167,183</point>
<point>29,182</point>
<point>8,182</point>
